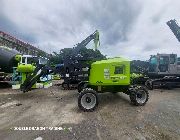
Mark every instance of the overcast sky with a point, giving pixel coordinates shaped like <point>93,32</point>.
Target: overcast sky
<point>131,28</point>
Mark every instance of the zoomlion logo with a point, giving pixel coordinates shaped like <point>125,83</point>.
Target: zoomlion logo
<point>6,48</point>
<point>106,74</point>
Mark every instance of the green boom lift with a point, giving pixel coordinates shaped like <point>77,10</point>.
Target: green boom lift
<point>111,75</point>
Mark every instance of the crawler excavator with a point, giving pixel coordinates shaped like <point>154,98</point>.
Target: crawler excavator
<point>173,25</point>
<point>164,69</point>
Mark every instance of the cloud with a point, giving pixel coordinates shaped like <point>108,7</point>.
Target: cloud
<point>131,29</point>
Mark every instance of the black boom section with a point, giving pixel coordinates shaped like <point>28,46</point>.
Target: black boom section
<point>77,63</point>
<point>31,79</point>
<point>174,28</point>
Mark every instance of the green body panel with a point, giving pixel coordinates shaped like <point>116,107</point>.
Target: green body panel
<point>115,71</point>
<point>25,68</point>
<point>23,77</point>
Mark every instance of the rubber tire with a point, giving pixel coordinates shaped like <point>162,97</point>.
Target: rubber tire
<point>82,93</point>
<point>63,85</point>
<point>133,99</point>
<point>169,86</point>
<point>80,86</point>
<point>149,85</point>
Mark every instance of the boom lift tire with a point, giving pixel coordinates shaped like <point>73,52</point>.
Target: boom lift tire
<point>88,100</point>
<point>139,96</point>
<point>149,84</point>
<point>65,86</point>
<point>82,85</point>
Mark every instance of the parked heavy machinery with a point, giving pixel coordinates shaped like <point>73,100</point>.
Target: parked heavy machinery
<point>111,75</point>
<point>92,76</point>
<point>16,70</point>
<point>163,71</point>
<point>34,73</point>
<point>75,66</point>
<point>164,65</point>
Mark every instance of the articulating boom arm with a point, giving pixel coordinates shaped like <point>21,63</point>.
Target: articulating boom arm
<point>174,28</point>
<point>94,36</point>
<point>41,70</point>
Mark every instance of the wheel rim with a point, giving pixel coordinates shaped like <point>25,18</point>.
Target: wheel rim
<point>141,96</point>
<point>88,101</point>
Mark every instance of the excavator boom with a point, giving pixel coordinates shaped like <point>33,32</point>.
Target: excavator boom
<point>173,25</point>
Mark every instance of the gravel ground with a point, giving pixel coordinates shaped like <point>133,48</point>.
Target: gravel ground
<point>114,119</point>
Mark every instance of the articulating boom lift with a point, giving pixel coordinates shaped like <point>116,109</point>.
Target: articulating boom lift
<point>34,73</point>
<point>76,66</point>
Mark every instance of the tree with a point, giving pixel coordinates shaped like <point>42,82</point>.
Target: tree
<point>57,58</point>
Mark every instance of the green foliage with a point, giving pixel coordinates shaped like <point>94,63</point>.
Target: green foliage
<point>90,53</point>
<point>57,58</point>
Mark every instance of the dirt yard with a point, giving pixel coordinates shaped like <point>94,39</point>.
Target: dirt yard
<point>114,119</point>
